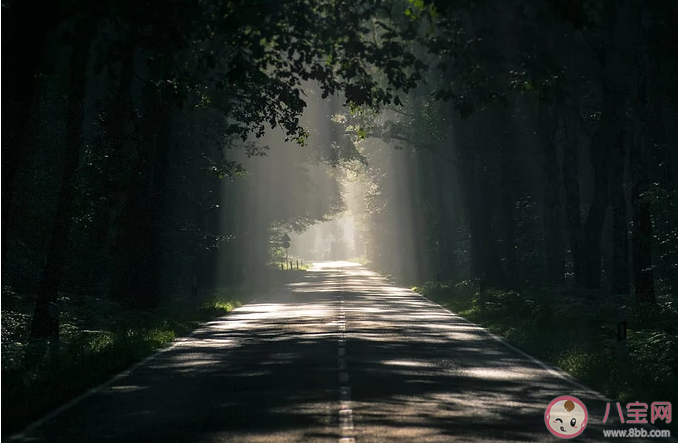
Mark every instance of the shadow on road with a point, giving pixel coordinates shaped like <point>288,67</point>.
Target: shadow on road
<point>268,373</point>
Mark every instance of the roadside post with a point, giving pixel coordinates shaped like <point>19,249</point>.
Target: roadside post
<point>286,244</point>
<point>622,330</point>
<point>481,293</point>
<point>53,310</point>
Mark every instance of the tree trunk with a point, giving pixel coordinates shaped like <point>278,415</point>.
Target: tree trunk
<point>620,244</point>
<point>572,199</point>
<point>24,34</point>
<point>119,112</point>
<point>58,245</point>
<point>641,238</point>
<point>161,127</point>
<point>485,262</point>
<point>131,212</point>
<point>592,255</point>
<point>553,234</point>
<point>447,223</point>
<point>508,177</point>
<point>139,253</point>
<point>593,227</point>
<point>586,239</point>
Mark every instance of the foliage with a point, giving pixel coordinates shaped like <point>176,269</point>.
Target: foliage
<point>165,150</point>
<point>99,338</point>
<point>578,334</point>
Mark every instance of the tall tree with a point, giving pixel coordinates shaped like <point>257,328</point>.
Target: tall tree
<point>85,29</point>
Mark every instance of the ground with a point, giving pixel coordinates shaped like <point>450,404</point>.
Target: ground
<point>342,355</point>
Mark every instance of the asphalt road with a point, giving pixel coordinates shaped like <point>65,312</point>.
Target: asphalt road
<point>341,356</point>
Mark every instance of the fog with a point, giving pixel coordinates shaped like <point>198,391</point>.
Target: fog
<point>156,157</point>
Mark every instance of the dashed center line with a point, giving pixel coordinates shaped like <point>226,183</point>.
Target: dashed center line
<point>345,411</point>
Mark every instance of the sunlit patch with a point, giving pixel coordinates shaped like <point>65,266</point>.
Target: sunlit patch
<point>463,336</point>
<point>406,363</point>
<point>316,289</point>
<point>301,284</point>
<point>503,373</point>
<point>208,342</point>
<point>333,264</point>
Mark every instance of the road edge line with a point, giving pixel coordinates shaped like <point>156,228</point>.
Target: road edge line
<point>553,370</point>
<point>91,391</point>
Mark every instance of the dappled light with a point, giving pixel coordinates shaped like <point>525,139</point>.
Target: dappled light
<point>338,220</point>
<point>271,367</point>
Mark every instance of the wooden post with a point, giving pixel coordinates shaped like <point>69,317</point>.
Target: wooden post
<point>622,328</point>
<point>481,290</point>
<point>297,265</point>
<point>54,332</point>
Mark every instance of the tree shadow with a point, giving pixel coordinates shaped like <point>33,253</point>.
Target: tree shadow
<point>269,372</point>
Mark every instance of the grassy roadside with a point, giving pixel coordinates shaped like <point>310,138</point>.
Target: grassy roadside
<point>360,260</point>
<point>99,338</point>
<point>577,332</point>
<point>297,265</point>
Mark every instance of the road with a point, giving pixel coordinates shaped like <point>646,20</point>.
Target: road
<point>342,356</point>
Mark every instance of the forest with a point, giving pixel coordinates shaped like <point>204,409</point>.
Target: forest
<point>516,161</point>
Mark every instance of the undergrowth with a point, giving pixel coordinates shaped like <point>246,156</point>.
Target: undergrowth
<point>98,338</point>
<point>578,333</point>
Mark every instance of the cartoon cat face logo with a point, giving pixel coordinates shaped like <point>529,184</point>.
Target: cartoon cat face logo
<point>566,417</point>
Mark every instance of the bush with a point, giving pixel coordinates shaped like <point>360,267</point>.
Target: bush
<point>98,339</point>
<point>577,332</point>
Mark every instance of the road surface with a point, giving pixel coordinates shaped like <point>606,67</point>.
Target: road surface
<point>342,356</point>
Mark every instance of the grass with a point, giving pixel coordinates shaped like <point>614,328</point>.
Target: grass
<point>303,265</point>
<point>360,260</point>
<point>577,333</point>
<point>99,338</point>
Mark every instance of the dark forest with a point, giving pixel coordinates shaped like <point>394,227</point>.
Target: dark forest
<point>514,161</point>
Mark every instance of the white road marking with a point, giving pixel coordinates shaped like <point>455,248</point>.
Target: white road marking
<point>556,372</point>
<point>346,419</point>
<point>345,411</point>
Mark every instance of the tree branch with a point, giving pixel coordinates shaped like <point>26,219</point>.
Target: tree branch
<point>429,147</point>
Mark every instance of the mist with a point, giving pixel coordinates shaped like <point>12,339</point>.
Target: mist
<point>351,182</point>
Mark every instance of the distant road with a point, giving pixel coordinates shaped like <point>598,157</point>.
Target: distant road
<point>342,356</point>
